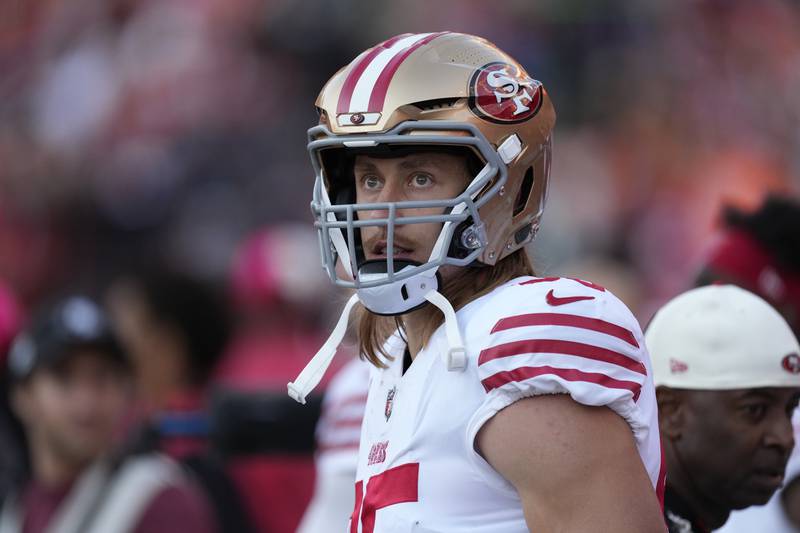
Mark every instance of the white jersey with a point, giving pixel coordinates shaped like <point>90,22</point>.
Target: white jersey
<point>418,470</point>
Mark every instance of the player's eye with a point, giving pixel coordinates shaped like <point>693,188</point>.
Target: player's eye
<point>421,180</point>
<point>370,182</point>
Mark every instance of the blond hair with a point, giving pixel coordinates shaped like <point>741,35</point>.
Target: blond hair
<point>474,282</point>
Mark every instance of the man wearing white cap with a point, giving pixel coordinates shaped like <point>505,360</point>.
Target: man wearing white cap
<point>727,370</point>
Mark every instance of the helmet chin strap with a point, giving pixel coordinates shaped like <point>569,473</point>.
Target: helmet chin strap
<point>455,358</point>
<point>315,369</point>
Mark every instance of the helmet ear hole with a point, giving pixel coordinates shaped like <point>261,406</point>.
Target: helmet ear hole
<point>524,192</point>
<point>457,248</point>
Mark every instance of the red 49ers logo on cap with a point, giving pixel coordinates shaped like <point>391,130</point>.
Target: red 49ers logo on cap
<point>791,363</point>
<point>504,94</point>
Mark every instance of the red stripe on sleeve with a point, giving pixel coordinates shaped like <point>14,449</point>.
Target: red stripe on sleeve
<point>570,374</point>
<point>589,284</point>
<point>560,319</point>
<point>343,446</point>
<point>539,280</point>
<point>378,96</point>
<point>587,351</point>
<point>346,423</point>
<point>347,401</point>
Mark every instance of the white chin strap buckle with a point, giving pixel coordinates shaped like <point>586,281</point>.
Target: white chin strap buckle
<point>295,393</point>
<point>456,359</point>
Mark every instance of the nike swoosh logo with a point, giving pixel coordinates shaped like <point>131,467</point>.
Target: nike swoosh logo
<point>552,299</point>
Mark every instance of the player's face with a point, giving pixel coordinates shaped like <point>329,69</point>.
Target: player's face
<point>736,443</point>
<point>74,409</point>
<point>421,176</point>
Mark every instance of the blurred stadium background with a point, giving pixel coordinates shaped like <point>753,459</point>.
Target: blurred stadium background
<point>172,132</point>
<point>171,129</point>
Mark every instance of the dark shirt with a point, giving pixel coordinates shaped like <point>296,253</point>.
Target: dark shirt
<point>679,516</point>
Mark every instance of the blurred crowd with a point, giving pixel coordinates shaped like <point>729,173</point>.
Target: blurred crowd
<point>152,154</point>
<point>169,130</point>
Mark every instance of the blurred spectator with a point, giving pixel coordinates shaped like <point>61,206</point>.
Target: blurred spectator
<point>164,129</point>
<point>727,370</point>
<point>11,460</point>
<point>281,297</point>
<point>338,437</point>
<point>10,320</point>
<point>176,330</point>
<point>760,251</point>
<point>70,386</point>
<point>168,129</point>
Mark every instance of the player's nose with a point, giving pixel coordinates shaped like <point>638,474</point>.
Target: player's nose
<point>390,193</point>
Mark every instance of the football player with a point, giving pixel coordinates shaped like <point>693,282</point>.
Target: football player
<point>498,401</point>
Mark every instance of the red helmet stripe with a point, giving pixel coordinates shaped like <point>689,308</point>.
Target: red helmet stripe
<point>352,79</point>
<point>378,96</point>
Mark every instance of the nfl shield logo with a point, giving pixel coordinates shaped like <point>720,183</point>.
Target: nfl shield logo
<point>389,403</point>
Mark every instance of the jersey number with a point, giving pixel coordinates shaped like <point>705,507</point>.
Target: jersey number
<point>396,485</point>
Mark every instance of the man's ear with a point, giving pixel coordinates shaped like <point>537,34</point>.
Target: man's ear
<point>671,412</point>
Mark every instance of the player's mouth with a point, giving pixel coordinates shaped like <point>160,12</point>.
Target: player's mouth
<point>379,251</point>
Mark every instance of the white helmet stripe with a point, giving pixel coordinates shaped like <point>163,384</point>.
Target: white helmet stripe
<point>366,83</point>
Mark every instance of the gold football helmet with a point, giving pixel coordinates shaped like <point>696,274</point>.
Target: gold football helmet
<point>432,91</point>
<point>424,90</point>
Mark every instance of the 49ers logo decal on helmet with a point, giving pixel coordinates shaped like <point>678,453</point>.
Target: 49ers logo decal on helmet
<point>504,94</point>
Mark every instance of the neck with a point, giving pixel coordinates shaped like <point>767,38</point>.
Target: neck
<point>711,513</point>
<point>412,326</point>
<point>461,286</point>
<point>53,469</point>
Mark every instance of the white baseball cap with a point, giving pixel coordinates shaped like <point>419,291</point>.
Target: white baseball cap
<point>722,337</point>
